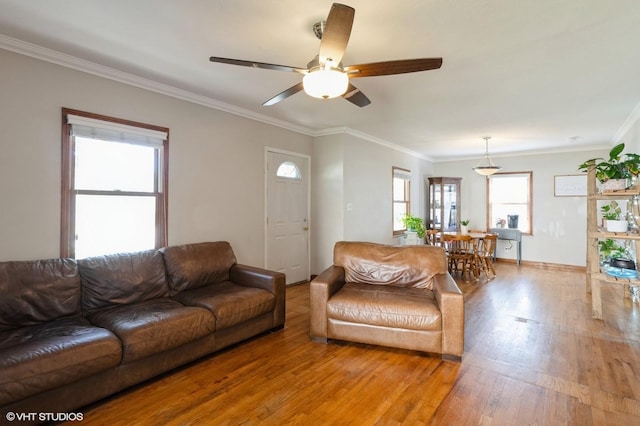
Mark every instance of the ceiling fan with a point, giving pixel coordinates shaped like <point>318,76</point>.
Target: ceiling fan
<point>325,77</point>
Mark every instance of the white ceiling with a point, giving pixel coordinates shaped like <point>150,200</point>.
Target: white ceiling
<point>535,75</point>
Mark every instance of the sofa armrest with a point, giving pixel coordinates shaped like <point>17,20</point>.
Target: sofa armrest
<point>321,289</point>
<point>451,303</point>
<point>272,281</point>
<point>251,276</point>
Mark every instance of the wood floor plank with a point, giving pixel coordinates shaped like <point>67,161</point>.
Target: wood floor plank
<point>533,355</point>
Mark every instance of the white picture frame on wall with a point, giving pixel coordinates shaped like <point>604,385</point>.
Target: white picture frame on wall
<point>570,185</point>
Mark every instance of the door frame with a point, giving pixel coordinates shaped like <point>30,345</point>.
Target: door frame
<point>267,150</point>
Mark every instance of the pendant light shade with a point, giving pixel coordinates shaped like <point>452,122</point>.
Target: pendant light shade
<point>486,167</point>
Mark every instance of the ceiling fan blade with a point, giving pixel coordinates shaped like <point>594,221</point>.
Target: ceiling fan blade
<point>356,97</point>
<point>335,35</point>
<point>393,67</point>
<point>262,65</point>
<point>284,95</point>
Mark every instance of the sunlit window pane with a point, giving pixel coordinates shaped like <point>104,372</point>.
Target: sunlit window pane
<point>288,169</point>
<point>511,189</point>
<point>111,166</point>
<point>509,197</point>
<point>399,211</point>
<point>401,182</point>
<point>114,224</point>
<point>399,193</point>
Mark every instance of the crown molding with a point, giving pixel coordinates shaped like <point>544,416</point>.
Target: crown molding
<point>628,123</point>
<point>369,138</point>
<point>581,148</point>
<point>68,61</point>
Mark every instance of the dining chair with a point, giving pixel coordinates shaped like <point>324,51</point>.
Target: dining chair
<point>431,237</point>
<point>461,253</point>
<point>486,249</point>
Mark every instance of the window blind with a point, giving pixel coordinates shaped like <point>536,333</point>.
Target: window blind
<point>402,174</point>
<point>110,131</point>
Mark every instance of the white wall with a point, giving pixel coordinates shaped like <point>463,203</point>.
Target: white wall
<point>353,192</point>
<point>559,223</point>
<point>327,195</point>
<point>368,189</point>
<point>631,137</point>
<point>216,159</point>
<point>216,181</point>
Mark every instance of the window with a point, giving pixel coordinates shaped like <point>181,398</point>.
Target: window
<point>288,169</point>
<point>510,200</point>
<point>114,185</point>
<point>401,197</point>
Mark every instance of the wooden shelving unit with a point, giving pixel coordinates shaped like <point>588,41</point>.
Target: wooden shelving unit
<point>595,276</point>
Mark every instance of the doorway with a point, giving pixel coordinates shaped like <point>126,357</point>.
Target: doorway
<point>287,215</point>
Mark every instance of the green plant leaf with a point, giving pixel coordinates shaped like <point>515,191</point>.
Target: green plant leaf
<point>614,154</point>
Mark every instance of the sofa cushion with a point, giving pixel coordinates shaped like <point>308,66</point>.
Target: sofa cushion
<point>46,356</point>
<point>403,266</point>
<point>191,266</point>
<point>153,326</point>
<point>35,292</point>
<point>386,306</point>
<point>230,303</point>
<point>121,279</point>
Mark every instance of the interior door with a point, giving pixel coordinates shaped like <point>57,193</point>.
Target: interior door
<point>287,240</point>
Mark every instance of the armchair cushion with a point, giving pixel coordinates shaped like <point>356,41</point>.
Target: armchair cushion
<point>386,306</point>
<point>371,263</point>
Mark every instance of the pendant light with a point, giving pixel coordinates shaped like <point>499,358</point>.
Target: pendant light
<point>486,167</point>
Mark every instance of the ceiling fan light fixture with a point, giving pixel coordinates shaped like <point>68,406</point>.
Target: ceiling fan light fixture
<point>324,76</point>
<point>325,82</point>
<point>486,167</point>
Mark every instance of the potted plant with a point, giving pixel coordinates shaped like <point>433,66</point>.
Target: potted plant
<point>415,224</point>
<point>464,226</point>
<point>610,249</point>
<point>616,172</point>
<point>612,213</point>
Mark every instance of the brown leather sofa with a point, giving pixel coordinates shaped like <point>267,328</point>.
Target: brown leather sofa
<point>73,332</point>
<point>397,296</point>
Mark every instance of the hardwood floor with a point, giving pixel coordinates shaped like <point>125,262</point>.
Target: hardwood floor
<point>533,355</point>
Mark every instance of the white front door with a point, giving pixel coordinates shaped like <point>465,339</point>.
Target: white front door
<point>287,244</point>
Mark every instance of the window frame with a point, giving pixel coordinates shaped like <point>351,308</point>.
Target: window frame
<point>529,199</point>
<point>407,196</point>
<point>69,193</point>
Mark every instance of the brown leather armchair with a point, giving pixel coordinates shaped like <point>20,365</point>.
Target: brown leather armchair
<point>397,296</point>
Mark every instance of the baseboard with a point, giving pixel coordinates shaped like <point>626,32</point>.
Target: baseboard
<point>545,265</point>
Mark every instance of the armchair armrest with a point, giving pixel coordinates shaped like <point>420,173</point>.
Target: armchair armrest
<point>274,282</point>
<point>450,300</point>
<point>321,289</point>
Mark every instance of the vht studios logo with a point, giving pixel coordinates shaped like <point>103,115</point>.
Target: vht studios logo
<point>44,417</point>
